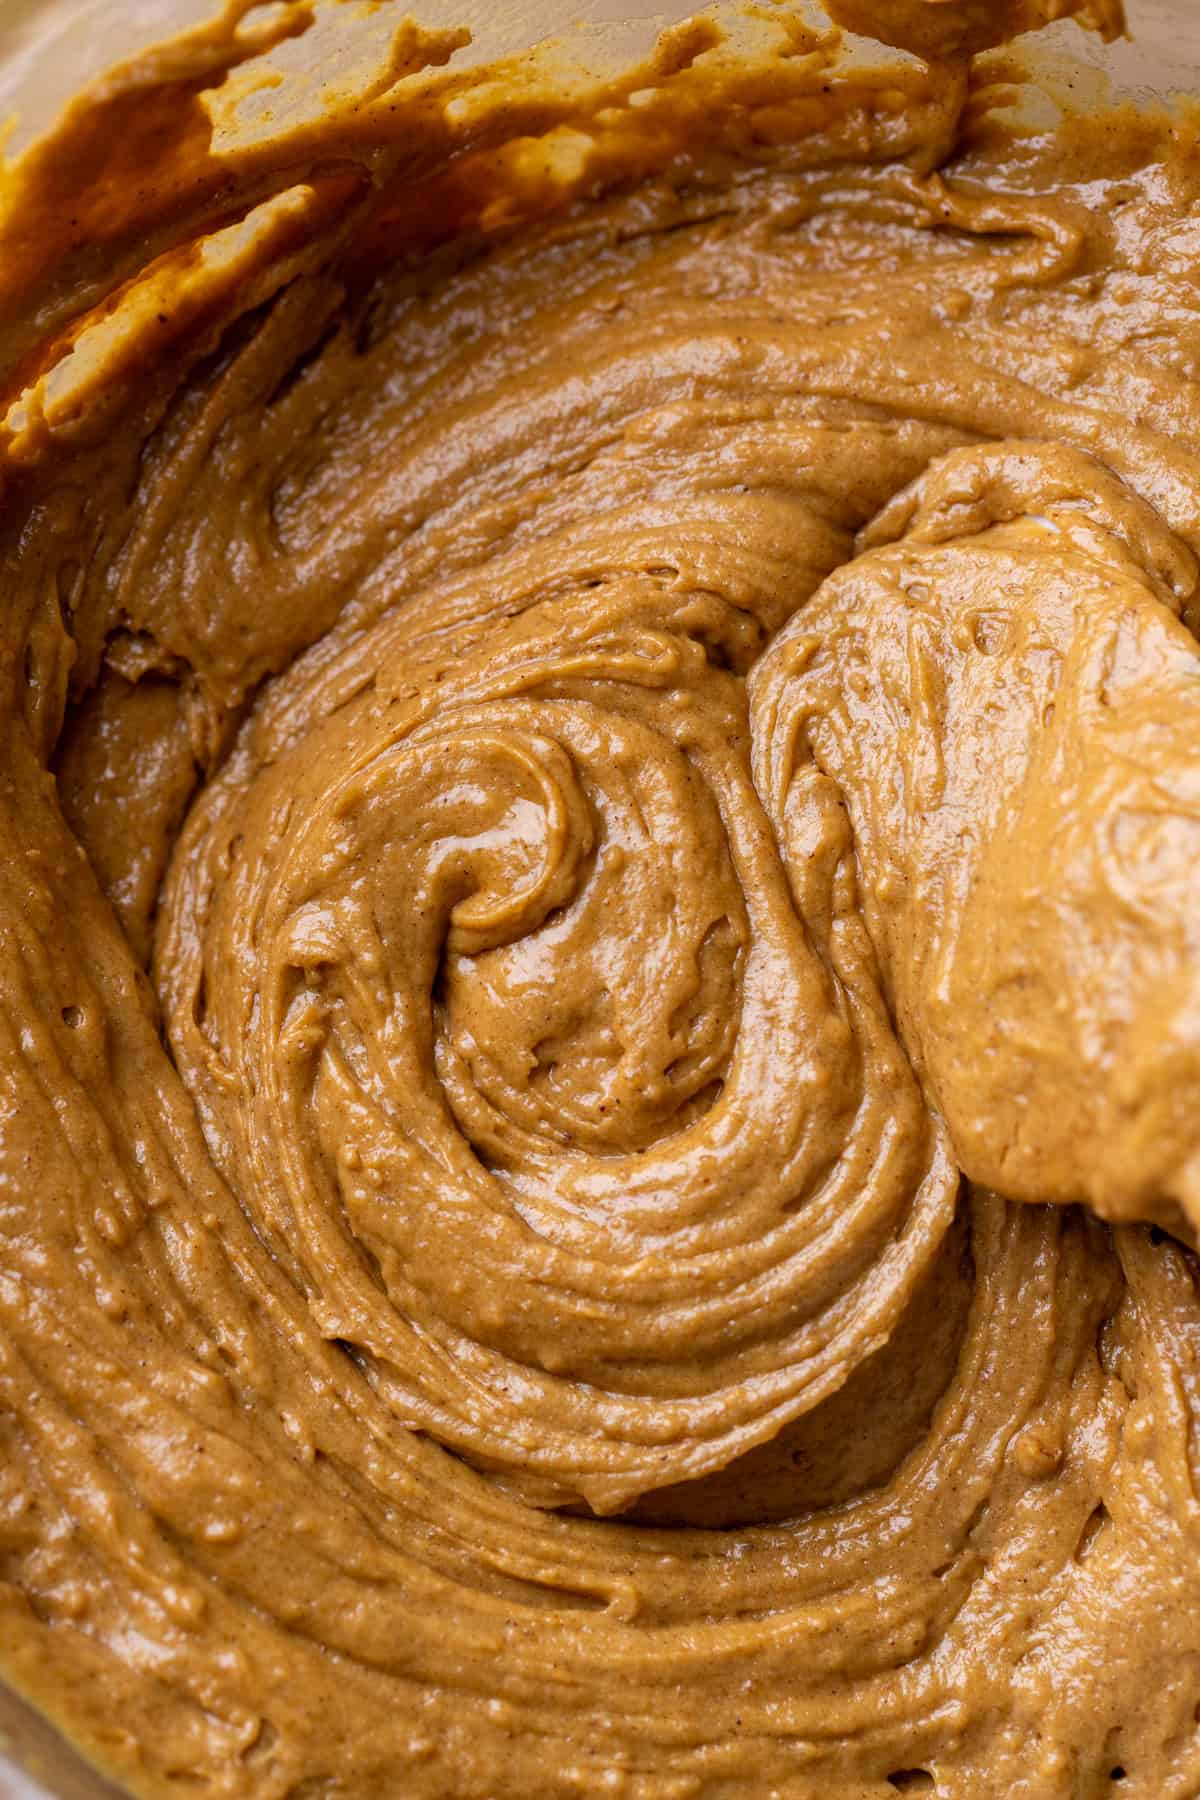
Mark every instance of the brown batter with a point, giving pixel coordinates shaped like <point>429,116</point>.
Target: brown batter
<point>558,794</point>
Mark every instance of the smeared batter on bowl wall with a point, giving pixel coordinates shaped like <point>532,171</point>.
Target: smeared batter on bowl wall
<point>601,1001</point>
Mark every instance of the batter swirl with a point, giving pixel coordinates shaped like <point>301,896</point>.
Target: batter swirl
<point>599,1047</point>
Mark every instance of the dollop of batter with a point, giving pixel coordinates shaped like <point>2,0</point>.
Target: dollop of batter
<point>600,996</point>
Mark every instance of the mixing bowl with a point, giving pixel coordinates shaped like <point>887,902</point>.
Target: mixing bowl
<point>50,48</point>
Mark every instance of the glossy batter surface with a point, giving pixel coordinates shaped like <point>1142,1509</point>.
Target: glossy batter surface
<point>600,996</point>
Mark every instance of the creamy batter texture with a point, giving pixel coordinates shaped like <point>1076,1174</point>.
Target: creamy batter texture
<point>600,941</point>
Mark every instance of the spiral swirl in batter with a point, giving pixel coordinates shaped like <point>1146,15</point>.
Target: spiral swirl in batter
<point>599,1045</point>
